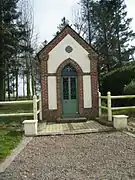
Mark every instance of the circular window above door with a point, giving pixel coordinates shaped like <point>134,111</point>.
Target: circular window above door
<point>68,49</point>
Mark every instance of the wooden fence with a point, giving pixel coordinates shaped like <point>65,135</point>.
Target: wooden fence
<point>35,111</point>
<point>109,107</point>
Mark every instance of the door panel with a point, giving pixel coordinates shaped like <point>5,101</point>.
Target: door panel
<point>69,92</point>
<point>73,87</point>
<point>65,88</point>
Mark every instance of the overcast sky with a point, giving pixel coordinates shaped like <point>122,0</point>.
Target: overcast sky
<point>48,14</point>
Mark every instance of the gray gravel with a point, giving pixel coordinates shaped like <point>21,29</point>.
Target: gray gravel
<point>105,156</point>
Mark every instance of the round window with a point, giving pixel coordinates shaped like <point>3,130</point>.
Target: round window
<point>68,49</point>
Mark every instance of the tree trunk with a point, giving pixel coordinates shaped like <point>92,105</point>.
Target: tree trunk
<point>28,84</point>
<point>28,77</point>
<point>23,84</point>
<point>89,22</point>
<point>119,46</point>
<point>8,85</point>
<point>107,59</point>
<point>118,36</point>
<point>1,58</point>
<point>2,78</point>
<point>4,92</point>
<point>33,83</point>
<point>13,87</point>
<point>16,84</point>
<point>1,83</point>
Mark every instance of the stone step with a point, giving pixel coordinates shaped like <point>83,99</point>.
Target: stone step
<point>71,119</point>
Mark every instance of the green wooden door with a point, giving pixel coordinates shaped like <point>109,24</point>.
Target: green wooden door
<point>69,96</point>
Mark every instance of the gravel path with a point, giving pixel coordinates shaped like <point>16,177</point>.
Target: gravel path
<point>105,156</point>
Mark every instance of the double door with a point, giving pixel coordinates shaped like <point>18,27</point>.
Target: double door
<point>69,96</point>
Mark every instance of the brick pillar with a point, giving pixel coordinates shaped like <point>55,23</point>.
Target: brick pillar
<point>59,100</point>
<point>44,81</point>
<point>80,93</point>
<point>94,82</point>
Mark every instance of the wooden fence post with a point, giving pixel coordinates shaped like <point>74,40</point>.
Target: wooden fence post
<point>40,107</point>
<point>109,104</point>
<point>100,110</point>
<point>35,107</point>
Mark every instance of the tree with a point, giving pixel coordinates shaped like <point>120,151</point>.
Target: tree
<point>16,47</point>
<point>83,20</point>
<point>130,88</point>
<point>64,22</point>
<point>27,56</point>
<point>102,19</point>
<point>124,34</point>
<point>9,15</point>
<point>107,29</point>
<point>117,79</point>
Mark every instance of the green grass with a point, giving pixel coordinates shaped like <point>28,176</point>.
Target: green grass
<point>129,112</point>
<point>15,108</point>
<point>11,128</point>
<point>9,139</point>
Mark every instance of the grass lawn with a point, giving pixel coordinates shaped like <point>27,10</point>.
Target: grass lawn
<point>8,141</point>
<point>11,128</point>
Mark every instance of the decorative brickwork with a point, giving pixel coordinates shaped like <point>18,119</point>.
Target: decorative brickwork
<point>94,80</point>
<point>52,115</point>
<point>67,30</point>
<point>44,81</point>
<point>80,85</point>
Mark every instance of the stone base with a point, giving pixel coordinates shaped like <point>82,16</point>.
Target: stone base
<point>30,127</point>
<point>71,120</point>
<point>53,115</point>
<point>120,121</point>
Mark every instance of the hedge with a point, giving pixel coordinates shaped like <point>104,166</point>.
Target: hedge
<point>116,80</point>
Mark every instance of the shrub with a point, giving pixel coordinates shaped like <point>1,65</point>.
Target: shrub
<point>130,88</point>
<point>116,80</point>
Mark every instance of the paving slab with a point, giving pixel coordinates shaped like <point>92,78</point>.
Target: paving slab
<point>72,128</point>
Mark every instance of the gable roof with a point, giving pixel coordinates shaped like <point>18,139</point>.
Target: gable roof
<point>65,31</point>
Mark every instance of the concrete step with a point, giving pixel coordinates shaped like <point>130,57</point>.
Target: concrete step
<point>71,120</point>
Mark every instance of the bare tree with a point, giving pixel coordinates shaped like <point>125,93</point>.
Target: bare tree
<point>78,21</point>
<point>28,54</point>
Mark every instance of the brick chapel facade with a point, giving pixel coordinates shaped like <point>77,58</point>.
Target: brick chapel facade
<point>69,78</point>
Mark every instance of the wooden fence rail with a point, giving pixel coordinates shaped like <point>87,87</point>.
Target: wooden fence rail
<point>34,113</point>
<point>109,107</point>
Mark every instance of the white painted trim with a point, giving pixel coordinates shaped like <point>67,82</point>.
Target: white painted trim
<point>52,93</point>
<point>87,94</point>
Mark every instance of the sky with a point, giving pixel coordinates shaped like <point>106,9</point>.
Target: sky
<point>48,15</point>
